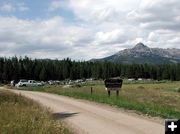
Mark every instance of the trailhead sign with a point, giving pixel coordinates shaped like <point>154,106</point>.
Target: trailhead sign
<point>113,85</point>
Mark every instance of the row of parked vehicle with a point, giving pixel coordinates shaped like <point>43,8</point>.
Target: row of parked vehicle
<point>24,83</point>
<point>32,83</point>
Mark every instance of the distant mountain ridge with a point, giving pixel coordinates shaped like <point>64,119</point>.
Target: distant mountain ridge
<point>141,54</point>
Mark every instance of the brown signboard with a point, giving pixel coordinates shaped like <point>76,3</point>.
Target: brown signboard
<point>113,83</point>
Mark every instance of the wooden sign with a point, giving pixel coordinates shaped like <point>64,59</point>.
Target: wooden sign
<point>113,85</point>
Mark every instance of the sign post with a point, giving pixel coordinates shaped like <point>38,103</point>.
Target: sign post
<point>113,85</point>
<point>91,90</point>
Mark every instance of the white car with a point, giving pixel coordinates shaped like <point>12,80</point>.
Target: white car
<point>28,83</point>
<point>34,83</point>
<point>50,82</point>
<point>21,83</point>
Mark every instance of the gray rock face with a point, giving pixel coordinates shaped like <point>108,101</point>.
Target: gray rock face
<point>141,54</point>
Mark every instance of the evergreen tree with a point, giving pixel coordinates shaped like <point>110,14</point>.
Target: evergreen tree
<point>44,69</point>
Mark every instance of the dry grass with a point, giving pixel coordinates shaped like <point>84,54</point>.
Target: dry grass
<point>19,115</point>
<point>163,94</point>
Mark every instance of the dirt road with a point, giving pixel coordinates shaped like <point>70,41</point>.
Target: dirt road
<point>92,118</point>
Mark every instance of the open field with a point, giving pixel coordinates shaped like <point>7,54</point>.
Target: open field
<point>19,115</point>
<point>154,99</point>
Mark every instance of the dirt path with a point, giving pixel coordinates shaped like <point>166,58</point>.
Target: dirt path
<point>91,118</point>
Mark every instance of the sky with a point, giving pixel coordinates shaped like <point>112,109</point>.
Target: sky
<point>86,29</point>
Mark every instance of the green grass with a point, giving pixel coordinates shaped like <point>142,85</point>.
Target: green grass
<point>147,81</point>
<point>154,99</point>
<point>19,115</point>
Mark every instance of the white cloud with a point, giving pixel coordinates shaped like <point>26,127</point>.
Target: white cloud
<point>22,7</point>
<point>157,14</point>
<point>7,7</point>
<point>112,37</point>
<point>103,28</point>
<point>101,10</point>
<point>56,4</point>
<point>153,36</point>
<point>23,37</point>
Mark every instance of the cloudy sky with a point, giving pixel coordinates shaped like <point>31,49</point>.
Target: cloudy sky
<point>85,29</point>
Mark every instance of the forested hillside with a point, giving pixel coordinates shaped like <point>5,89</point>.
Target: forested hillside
<point>45,69</point>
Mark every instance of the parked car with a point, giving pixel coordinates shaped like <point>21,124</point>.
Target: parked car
<point>30,83</point>
<point>34,83</point>
<point>21,83</point>
<point>50,82</point>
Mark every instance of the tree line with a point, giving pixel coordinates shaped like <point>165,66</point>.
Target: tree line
<point>45,69</point>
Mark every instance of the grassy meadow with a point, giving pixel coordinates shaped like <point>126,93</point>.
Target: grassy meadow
<point>19,115</point>
<point>160,99</point>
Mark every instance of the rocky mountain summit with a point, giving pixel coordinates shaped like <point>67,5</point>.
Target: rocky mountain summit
<point>141,54</point>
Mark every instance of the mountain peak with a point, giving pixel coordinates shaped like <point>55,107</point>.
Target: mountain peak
<point>141,54</point>
<point>140,46</point>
